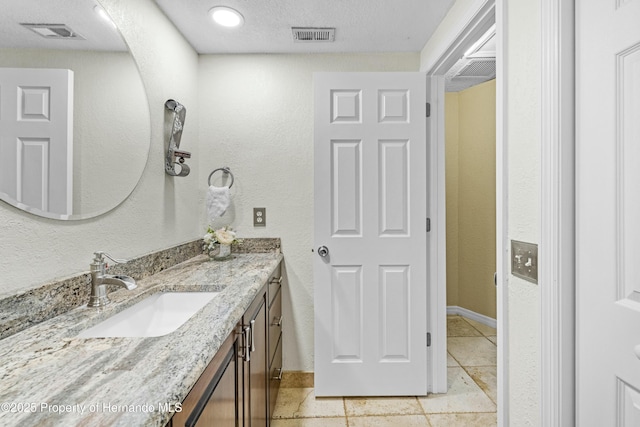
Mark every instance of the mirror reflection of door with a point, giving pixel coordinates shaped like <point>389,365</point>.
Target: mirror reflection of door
<point>36,137</point>
<point>111,121</point>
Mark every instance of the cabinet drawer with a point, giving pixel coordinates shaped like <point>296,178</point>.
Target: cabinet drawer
<point>275,378</point>
<point>275,323</point>
<point>275,280</point>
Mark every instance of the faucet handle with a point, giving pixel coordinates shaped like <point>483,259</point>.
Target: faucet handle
<point>98,257</point>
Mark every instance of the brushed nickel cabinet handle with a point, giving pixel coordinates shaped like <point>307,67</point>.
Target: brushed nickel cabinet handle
<point>279,376</point>
<point>246,330</point>
<point>253,343</point>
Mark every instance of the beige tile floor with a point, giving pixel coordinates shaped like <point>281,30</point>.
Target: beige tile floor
<point>470,401</point>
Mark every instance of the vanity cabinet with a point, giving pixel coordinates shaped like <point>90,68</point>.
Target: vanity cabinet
<point>254,356</point>
<point>215,399</point>
<point>274,294</point>
<point>240,385</point>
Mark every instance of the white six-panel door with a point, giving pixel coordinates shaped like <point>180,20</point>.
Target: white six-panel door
<point>608,213</point>
<point>370,214</point>
<point>36,138</point>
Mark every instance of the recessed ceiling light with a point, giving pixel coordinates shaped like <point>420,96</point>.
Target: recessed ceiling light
<point>226,16</point>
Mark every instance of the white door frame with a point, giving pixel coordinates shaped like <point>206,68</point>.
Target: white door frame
<point>556,274</point>
<point>459,36</point>
<point>502,215</point>
<point>557,216</point>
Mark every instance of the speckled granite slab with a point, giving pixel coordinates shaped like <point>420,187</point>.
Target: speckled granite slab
<point>257,245</point>
<point>18,312</point>
<point>21,311</point>
<point>125,381</point>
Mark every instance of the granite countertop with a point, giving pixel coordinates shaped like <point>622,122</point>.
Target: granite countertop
<point>49,377</point>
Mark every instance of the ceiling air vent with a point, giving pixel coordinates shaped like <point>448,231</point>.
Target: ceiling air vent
<point>478,68</point>
<point>53,31</point>
<point>308,35</point>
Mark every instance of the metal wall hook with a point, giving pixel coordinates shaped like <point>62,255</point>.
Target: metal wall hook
<point>173,152</point>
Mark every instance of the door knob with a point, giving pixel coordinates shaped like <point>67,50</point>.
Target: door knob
<point>323,251</point>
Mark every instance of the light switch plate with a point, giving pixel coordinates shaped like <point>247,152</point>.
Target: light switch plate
<point>259,217</point>
<point>524,260</point>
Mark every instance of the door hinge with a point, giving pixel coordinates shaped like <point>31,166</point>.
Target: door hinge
<point>428,339</point>
<point>428,109</point>
<point>428,225</point>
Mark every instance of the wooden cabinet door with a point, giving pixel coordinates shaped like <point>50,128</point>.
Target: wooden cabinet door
<point>275,324</point>
<point>215,399</point>
<point>220,408</point>
<point>255,369</point>
<point>274,336</point>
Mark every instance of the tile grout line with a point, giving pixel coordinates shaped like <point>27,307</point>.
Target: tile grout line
<point>481,333</point>
<point>465,367</point>
<point>476,383</point>
<point>344,406</point>
<point>453,357</point>
<point>424,412</point>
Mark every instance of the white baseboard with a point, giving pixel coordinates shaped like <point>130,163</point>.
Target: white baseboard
<point>453,310</point>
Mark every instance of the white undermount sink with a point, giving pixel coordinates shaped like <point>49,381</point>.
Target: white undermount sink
<point>158,314</point>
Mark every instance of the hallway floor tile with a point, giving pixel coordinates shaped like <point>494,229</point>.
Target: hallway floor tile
<point>470,401</point>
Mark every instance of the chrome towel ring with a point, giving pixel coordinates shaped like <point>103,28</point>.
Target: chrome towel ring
<point>225,170</point>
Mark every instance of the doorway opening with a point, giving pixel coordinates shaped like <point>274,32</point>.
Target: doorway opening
<point>470,180</point>
<point>467,36</point>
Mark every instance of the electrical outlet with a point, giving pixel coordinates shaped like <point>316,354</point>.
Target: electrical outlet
<point>524,260</point>
<point>259,217</point>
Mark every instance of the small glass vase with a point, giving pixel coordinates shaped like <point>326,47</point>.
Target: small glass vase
<point>224,252</point>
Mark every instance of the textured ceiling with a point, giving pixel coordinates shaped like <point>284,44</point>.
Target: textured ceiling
<point>361,25</point>
<point>77,14</point>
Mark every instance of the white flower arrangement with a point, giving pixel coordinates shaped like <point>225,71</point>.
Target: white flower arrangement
<point>222,236</point>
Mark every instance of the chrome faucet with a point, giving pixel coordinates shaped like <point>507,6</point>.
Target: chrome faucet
<point>100,280</point>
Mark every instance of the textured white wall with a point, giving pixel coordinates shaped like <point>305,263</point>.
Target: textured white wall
<point>256,116</point>
<point>523,145</point>
<point>161,211</point>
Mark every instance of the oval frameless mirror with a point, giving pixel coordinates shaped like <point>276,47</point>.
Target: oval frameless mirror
<point>74,117</point>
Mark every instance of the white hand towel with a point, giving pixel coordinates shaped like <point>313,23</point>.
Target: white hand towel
<point>218,199</point>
